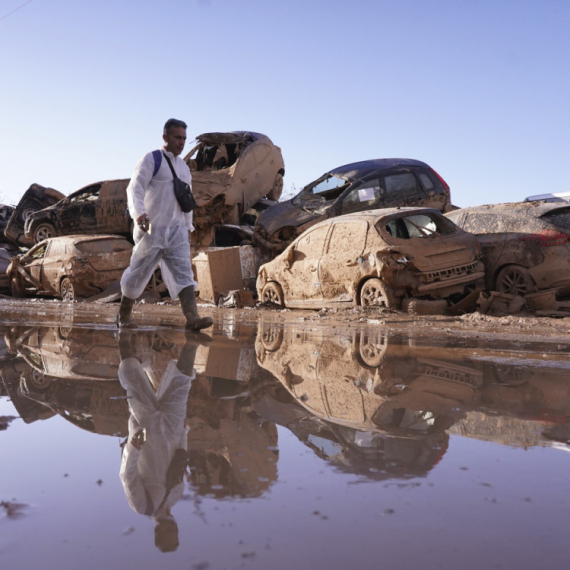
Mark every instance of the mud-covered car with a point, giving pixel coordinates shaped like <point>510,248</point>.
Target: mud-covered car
<point>231,172</point>
<point>5,257</point>
<point>373,258</point>
<point>99,208</point>
<point>35,198</point>
<point>5,213</point>
<point>525,244</point>
<point>70,267</point>
<point>367,185</point>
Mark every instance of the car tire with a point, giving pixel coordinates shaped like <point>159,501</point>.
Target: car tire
<point>514,280</point>
<point>273,293</point>
<point>374,293</point>
<point>66,289</point>
<point>372,348</point>
<point>43,231</point>
<point>39,381</point>
<point>271,336</point>
<point>17,288</point>
<point>277,190</point>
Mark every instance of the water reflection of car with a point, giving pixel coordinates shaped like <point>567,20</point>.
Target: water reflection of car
<point>373,258</point>
<point>99,208</point>
<point>525,245</point>
<point>70,267</point>
<point>366,185</point>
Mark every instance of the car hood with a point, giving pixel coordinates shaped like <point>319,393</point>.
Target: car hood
<point>285,214</point>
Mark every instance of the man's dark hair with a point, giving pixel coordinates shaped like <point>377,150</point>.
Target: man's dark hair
<point>174,123</point>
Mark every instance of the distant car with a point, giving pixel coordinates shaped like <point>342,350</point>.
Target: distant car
<point>367,185</point>
<point>35,198</point>
<point>525,244</point>
<point>376,258</point>
<point>70,267</point>
<point>5,213</point>
<point>99,208</point>
<point>550,197</point>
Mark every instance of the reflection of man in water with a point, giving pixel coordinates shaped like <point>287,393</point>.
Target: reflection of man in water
<point>154,458</point>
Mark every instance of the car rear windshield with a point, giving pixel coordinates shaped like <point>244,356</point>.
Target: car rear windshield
<point>417,226</point>
<point>103,246</point>
<point>560,217</point>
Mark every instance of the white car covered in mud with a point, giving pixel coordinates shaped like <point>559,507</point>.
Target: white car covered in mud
<point>377,257</point>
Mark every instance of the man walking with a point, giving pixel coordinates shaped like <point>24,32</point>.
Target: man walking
<point>162,230</point>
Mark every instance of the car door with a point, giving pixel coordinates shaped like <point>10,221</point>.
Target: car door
<point>339,265</point>
<point>79,212</point>
<point>301,286</point>
<point>54,265</point>
<point>33,264</point>
<point>402,189</point>
<point>365,196</point>
<point>489,227</point>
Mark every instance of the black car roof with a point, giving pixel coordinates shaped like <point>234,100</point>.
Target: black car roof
<point>359,170</point>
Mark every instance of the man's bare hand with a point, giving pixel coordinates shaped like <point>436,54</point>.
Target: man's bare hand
<point>143,222</point>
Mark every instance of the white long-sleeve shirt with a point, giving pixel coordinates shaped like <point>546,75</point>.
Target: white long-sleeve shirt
<point>154,196</point>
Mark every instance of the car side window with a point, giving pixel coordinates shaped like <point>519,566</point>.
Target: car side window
<point>311,244</point>
<point>399,186</point>
<point>39,252</point>
<point>347,237</point>
<point>88,195</point>
<point>426,181</point>
<point>365,197</point>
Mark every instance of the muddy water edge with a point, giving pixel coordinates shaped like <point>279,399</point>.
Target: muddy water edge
<point>282,439</point>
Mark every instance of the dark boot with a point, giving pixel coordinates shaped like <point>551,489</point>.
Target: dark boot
<point>188,303</point>
<point>188,353</point>
<point>124,318</point>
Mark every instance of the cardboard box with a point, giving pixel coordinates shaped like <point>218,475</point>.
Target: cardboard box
<point>223,269</point>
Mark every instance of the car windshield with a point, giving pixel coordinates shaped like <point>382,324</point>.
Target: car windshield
<point>321,193</point>
<point>417,226</point>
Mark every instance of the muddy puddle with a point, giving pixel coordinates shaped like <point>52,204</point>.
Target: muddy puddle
<point>274,443</point>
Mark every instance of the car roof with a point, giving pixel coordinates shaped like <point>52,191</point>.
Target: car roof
<point>359,170</point>
<point>550,197</point>
<point>123,180</point>
<point>373,216</point>
<point>536,209</point>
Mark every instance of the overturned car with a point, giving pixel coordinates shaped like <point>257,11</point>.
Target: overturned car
<point>374,258</point>
<point>35,198</point>
<point>366,185</point>
<point>231,172</point>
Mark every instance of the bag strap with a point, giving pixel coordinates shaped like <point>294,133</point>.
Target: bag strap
<point>170,164</point>
<point>157,155</point>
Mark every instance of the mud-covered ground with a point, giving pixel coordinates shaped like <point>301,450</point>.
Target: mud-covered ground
<point>523,326</point>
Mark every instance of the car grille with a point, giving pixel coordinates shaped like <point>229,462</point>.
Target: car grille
<point>445,274</point>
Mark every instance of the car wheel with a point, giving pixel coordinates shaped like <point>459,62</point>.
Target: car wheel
<point>271,336</point>
<point>17,288</point>
<point>272,293</point>
<point>514,280</point>
<point>40,381</point>
<point>44,231</point>
<point>66,289</point>
<point>374,293</point>
<point>277,190</point>
<point>372,348</point>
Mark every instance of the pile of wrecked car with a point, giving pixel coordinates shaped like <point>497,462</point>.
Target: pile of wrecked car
<point>378,233</point>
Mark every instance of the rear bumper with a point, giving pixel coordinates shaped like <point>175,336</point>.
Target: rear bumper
<point>469,278</point>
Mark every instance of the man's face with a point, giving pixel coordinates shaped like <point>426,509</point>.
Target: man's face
<point>175,140</point>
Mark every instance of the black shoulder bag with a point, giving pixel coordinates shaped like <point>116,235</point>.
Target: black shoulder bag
<point>182,191</point>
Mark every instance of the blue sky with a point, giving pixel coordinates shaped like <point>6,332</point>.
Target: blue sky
<point>478,89</point>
